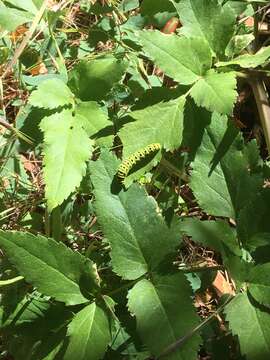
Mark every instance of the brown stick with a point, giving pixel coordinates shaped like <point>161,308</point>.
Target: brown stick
<point>26,39</point>
<point>262,101</point>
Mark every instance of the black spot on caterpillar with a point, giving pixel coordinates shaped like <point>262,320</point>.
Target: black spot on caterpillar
<point>132,160</point>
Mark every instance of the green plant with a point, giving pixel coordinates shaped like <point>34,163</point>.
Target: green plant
<point>96,269</point>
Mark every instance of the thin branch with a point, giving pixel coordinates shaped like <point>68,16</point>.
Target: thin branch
<point>262,101</point>
<point>11,281</point>
<point>175,346</point>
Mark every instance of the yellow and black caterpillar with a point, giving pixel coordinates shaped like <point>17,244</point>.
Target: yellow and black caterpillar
<point>132,160</point>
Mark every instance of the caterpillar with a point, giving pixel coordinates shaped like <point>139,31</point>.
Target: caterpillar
<point>132,160</point>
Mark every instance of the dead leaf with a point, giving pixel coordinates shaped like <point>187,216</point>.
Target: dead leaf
<point>39,69</point>
<point>222,285</point>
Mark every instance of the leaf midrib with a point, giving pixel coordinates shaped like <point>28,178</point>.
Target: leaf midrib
<point>43,262</point>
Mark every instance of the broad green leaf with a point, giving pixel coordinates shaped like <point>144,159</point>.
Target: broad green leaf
<point>51,94</point>
<point>53,268</point>
<point>92,80</point>
<point>150,7</point>
<point>95,122</point>
<point>39,338</point>
<point>23,310</point>
<point>218,169</point>
<point>26,5</point>
<point>184,60</point>
<point>128,5</point>
<point>248,60</point>
<point>89,334</point>
<point>260,283</point>
<point>165,314</point>
<point>66,150</point>
<point>238,7</point>
<point>237,44</point>
<point>207,19</point>
<point>217,235</point>
<point>131,222</point>
<point>10,19</point>
<point>194,129</point>
<point>216,92</point>
<point>156,13</point>
<point>251,324</point>
<point>253,217</point>
<point>222,238</point>
<point>161,123</point>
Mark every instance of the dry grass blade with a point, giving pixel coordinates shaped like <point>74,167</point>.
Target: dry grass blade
<point>26,39</point>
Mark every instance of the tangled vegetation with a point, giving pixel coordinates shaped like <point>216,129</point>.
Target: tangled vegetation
<point>135,182</point>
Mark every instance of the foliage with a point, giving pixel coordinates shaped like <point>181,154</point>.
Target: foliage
<point>96,268</point>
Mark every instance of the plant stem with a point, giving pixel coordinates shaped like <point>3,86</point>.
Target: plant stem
<point>11,281</point>
<point>28,36</point>
<point>175,346</point>
<point>181,174</point>
<point>205,268</point>
<point>256,29</point>
<point>262,101</point>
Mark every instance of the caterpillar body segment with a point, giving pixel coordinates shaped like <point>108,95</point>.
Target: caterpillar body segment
<point>132,160</point>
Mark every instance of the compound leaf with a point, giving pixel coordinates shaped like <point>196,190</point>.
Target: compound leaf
<point>164,314</point>
<point>66,149</point>
<point>89,334</point>
<point>131,222</point>
<point>53,268</point>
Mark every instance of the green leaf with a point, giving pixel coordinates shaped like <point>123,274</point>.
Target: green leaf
<point>51,94</point>
<point>248,60</point>
<point>237,44</point>
<point>131,222</point>
<point>89,334</point>
<point>26,5</point>
<point>252,325</point>
<point>184,60</point>
<point>42,337</point>
<point>66,150</point>
<point>164,314</point>
<point>194,129</point>
<point>92,80</point>
<point>260,283</point>
<point>253,217</point>
<point>10,19</point>
<point>95,122</point>
<point>217,235</point>
<point>218,168</point>
<point>161,123</point>
<point>53,268</point>
<point>207,19</point>
<point>150,7</point>
<point>216,92</point>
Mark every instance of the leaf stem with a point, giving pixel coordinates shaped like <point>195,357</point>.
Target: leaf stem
<point>181,174</point>
<point>11,281</point>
